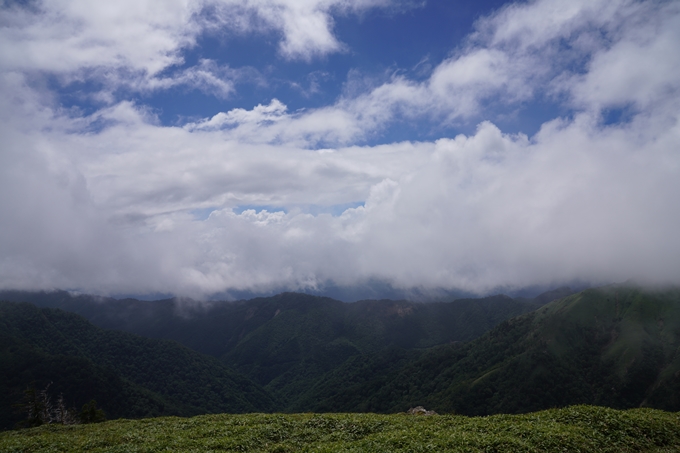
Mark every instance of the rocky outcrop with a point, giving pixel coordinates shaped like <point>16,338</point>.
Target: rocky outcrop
<point>420,410</point>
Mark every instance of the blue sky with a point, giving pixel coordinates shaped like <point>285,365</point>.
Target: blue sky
<point>214,146</point>
<point>408,38</point>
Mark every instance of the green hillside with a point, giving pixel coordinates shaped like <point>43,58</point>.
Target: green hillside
<point>216,328</point>
<point>128,375</point>
<point>617,346</point>
<point>290,342</point>
<point>574,429</point>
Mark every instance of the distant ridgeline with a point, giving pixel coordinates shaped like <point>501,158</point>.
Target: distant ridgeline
<point>617,346</point>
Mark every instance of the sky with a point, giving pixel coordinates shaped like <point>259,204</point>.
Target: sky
<point>215,147</point>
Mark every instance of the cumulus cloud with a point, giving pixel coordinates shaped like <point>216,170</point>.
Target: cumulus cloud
<point>66,35</point>
<point>132,43</point>
<point>107,201</point>
<point>593,56</point>
<point>260,114</point>
<point>306,26</point>
<point>599,54</point>
<point>480,211</point>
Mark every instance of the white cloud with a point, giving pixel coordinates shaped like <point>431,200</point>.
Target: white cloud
<point>273,123</point>
<point>105,202</point>
<point>601,54</point>
<point>63,36</point>
<point>139,44</point>
<point>306,26</point>
<point>260,114</point>
<point>480,211</point>
<point>639,68</point>
<point>476,211</point>
<point>207,76</point>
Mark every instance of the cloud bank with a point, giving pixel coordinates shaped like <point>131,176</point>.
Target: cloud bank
<point>253,199</point>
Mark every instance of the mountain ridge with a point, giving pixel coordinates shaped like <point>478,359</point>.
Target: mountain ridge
<point>289,341</point>
<point>617,346</point>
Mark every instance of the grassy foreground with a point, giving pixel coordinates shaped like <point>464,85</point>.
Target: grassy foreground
<point>577,428</point>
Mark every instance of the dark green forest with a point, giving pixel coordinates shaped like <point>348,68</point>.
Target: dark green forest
<point>615,346</point>
<point>128,375</point>
<point>289,342</point>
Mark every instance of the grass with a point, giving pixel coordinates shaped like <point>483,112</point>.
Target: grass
<point>572,429</point>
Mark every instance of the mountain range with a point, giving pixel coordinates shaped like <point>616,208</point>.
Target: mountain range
<point>616,346</point>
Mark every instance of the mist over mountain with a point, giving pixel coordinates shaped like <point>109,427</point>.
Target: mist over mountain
<point>369,289</point>
<point>215,327</point>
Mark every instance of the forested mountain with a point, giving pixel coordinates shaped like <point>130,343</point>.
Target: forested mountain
<point>215,328</point>
<point>128,375</point>
<point>290,341</point>
<point>617,346</point>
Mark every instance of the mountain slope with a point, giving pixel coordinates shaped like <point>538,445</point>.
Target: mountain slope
<point>290,341</point>
<point>617,346</point>
<point>86,362</point>
<point>215,328</point>
<point>305,337</point>
<point>77,378</point>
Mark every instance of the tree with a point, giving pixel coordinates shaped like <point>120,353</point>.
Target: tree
<point>39,409</point>
<point>37,406</point>
<point>90,413</point>
<point>64,415</point>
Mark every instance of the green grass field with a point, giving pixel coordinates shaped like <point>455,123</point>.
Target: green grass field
<point>577,429</point>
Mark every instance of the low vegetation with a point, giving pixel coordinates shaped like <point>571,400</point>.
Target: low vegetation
<point>577,428</point>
